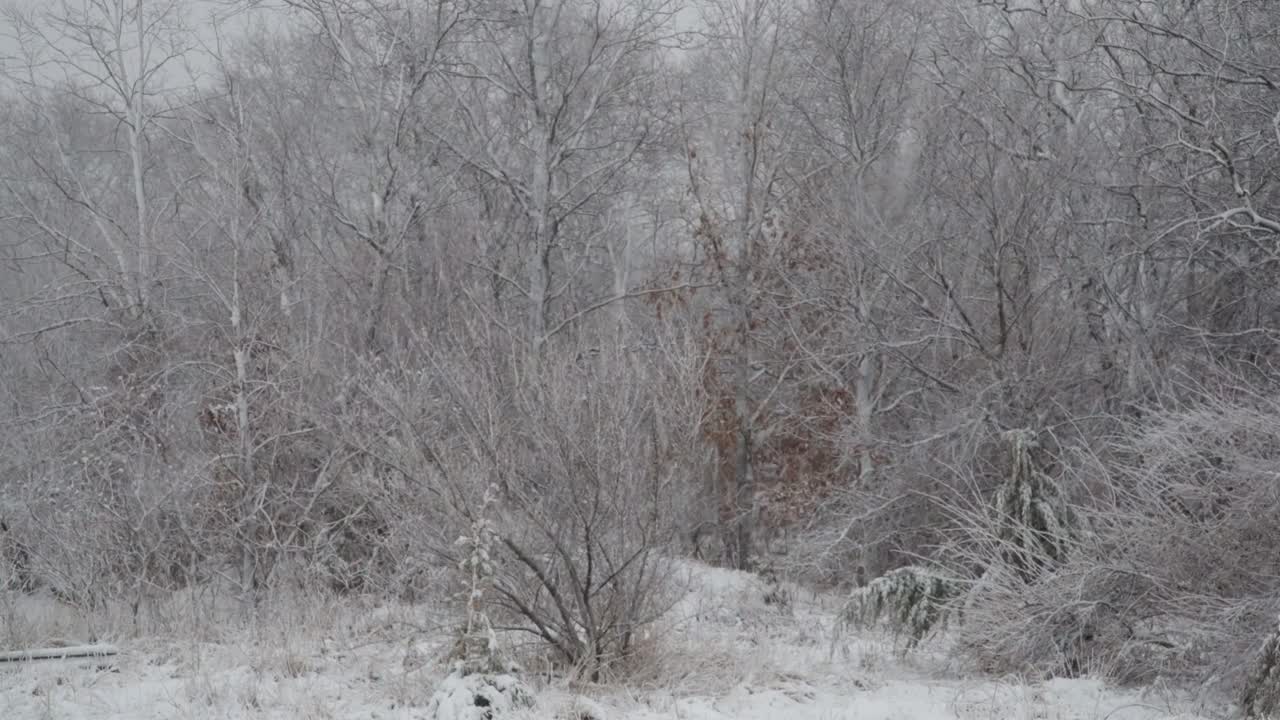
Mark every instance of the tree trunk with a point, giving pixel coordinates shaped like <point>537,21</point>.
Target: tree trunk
<point>538,261</point>
<point>137,127</point>
<point>864,398</point>
<point>250,562</point>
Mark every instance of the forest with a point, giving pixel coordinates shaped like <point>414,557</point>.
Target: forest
<point>966,310</point>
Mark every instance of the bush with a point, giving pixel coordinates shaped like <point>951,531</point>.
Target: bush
<point>597,475</point>
<point>591,455</point>
<point>1261,695</point>
<point>1027,531</point>
<point>1084,618</point>
<point>1194,505</point>
<point>1175,576</point>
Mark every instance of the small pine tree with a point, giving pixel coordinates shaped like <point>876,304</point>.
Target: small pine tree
<point>480,687</point>
<point>912,601</point>
<point>1035,524</point>
<point>476,649</point>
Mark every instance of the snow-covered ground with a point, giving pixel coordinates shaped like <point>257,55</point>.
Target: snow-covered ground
<point>724,655</point>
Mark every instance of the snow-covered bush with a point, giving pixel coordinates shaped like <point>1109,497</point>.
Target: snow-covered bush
<point>1042,599</point>
<point>1027,528</point>
<point>590,455</point>
<point>1077,620</point>
<point>596,467</point>
<point>1192,507</point>
<point>1170,574</point>
<point>478,697</point>
<point>1261,695</point>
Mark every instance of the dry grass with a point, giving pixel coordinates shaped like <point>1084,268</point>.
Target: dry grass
<point>322,657</point>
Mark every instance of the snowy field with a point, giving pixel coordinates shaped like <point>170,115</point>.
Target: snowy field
<point>723,655</point>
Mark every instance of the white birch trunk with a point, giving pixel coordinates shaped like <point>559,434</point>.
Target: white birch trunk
<point>137,120</point>
<point>538,261</point>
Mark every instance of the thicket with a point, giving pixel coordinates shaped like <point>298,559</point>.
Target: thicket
<point>773,295</point>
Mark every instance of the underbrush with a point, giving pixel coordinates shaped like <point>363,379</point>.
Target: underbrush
<point>1148,560</point>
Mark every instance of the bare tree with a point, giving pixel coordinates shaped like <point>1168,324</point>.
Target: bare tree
<point>588,458</point>
<point>118,62</point>
<point>552,108</point>
<point>371,173</point>
<point>735,171</point>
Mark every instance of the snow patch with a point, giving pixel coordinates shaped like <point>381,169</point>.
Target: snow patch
<point>732,657</point>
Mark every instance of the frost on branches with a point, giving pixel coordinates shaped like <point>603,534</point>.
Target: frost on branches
<point>912,601</point>
<point>1035,525</point>
<point>480,686</point>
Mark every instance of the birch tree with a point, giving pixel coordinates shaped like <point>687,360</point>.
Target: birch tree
<point>552,109</point>
<point>114,61</point>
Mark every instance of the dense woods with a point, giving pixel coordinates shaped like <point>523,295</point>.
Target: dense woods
<point>822,288</point>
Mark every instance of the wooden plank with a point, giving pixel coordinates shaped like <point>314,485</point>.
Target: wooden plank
<point>61,653</point>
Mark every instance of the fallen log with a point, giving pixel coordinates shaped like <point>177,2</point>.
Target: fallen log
<point>59,653</point>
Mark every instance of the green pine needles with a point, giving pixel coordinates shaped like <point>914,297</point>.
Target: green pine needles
<point>1035,525</point>
<point>912,601</point>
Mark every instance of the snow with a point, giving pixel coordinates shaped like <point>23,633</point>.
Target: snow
<point>721,654</point>
<point>478,697</point>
